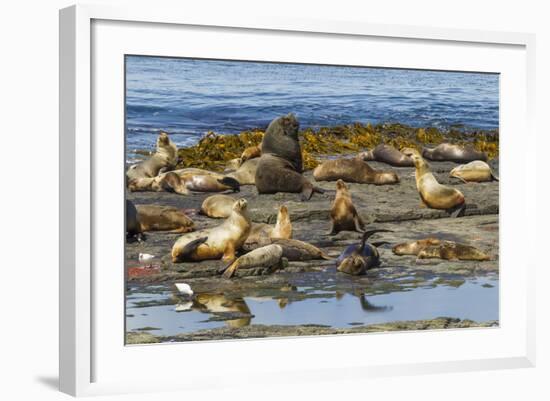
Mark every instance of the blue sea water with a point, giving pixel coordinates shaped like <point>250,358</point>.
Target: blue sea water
<point>189,97</point>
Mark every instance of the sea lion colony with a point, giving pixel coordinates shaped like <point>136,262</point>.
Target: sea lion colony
<point>276,166</point>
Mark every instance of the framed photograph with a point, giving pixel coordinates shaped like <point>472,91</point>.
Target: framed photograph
<point>248,192</point>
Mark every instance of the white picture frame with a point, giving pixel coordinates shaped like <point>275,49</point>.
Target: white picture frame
<point>80,212</point>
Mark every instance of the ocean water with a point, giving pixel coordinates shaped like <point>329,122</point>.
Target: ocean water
<point>189,97</point>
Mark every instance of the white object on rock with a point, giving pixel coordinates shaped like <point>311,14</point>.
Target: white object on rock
<point>184,289</point>
<point>145,257</point>
<point>184,307</point>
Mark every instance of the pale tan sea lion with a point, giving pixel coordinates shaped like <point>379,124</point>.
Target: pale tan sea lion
<point>353,170</point>
<point>209,183</point>
<point>280,165</point>
<point>266,256</point>
<point>168,182</point>
<point>454,153</point>
<point>387,154</point>
<point>163,218</point>
<point>218,242</point>
<point>164,159</point>
<point>343,216</point>
<point>449,250</point>
<point>251,152</point>
<point>233,165</point>
<point>432,193</point>
<point>218,206</point>
<point>293,250</point>
<point>246,173</point>
<point>476,171</point>
<point>282,228</point>
<point>412,248</point>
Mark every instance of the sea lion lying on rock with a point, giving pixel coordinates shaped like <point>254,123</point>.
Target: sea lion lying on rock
<point>266,256</point>
<point>217,206</point>
<point>218,242</point>
<point>282,228</point>
<point>353,170</point>
<point>432,193</point>
<point>361,258</point>
<point>430,248</point>
<point>251,152</point>
<point>389,155</point>
<point>280,165</point>
<point>476,171</point>
<point>343,216</point>
<point>293,250</point>
<point>246,173</point>
<point>168,182</point>
<point>164,159</point>
<point>454,153</point>
<point>163,218</point>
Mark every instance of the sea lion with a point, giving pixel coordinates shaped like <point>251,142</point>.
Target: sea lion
<point>412,248</point>
<point>282,228</point>
<point>163,218</point>
<point>353,170</point>
<point>266,256</point>
<point>351,249</point>
<point>133,228</point>
<point>476,171</point>
<point>454,153</point>
<point>280,165</point>
<point>217,206</point>
<point>293,250</point>
<point>362,258</point>
<point>208,183</point>
<point>246,173</point>
<point>251,152</point>
<point>233,165</point>
<point>432,193</point>
<point>218,242</point>
<point>343,216</point>
<point>164,159</point>
<point>387,154</point>
<point>169,182</point>
<point>449,250</point>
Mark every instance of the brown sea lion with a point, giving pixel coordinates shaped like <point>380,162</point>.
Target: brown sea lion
<point>412,248</point>
<point>476,171</point>
<point>164,159</point>
<point>389,155</point>
<point>353,170</point>
<point>293,250</point>
<point>282,228</point>
<point>343,216</point>
<point>449,250</point>
<point>246,173</point>
<point>133,228</point>
<point>168,182</point>
<point>432,193</point>
<point>163,218</point>
<point>233,165</point>
<point>454,153</point>
<point>218,242</point>
<point>208,183</point>
<point>280,165</point>
<point>266,256</point>
<point>218,206</point>
<point>251,152</point>
<point>361,258</point>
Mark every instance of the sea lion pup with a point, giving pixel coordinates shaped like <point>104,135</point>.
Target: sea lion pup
<point>246,173</point>
<point>361,259</point>
<point>133,228</point>
<point>218,242</point>
<point>217,206</point>
<point>432,193</point>
<point>476,171</point>
<point>293,249</point>
<point>449,250</point>
<point>266,256</point>
<point>282,228</point>
<point>163,218</point>
<point>389,155</point>
<point>412,248</point>
<point>353,170</point>
<point>251,152</point>
<point>280,165</point>
<point>343,216</point>
<point>454,153</point>
<point>164,159</point>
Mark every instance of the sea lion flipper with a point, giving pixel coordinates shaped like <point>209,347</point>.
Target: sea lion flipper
<point>359,225</point>
<point>229,270</point>
<point>458,211</point>
<point>494,177</point>
<point>331,230</point>
<point>379,243</point>
<point>307,192</point>
<point>231,183</point>
<point>191,246</point>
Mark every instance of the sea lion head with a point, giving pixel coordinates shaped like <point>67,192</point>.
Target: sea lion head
<point>341,186</point>
<point>387,177</point>
<point>286,125</point>
<point>281,140</point>
<point>240,205</point>
<point>163,139</point>
<point>353,264</point>
<point>414,155</point>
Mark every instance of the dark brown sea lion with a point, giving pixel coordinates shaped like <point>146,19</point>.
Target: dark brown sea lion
<point>343,216</point>
<point>360,259</point>
<point>163,218</point>
<point>454,153</point>
<point>388,154</point>
<point>133,228</point>
<point>280,165</point>
<point>353,170</point>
